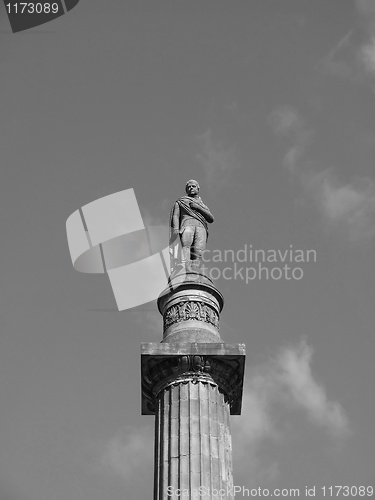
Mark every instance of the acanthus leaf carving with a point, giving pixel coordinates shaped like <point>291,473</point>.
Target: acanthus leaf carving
<point>188,310</point>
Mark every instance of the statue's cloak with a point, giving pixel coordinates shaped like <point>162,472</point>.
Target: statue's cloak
<point>174,242</point>
<point>184,203</point>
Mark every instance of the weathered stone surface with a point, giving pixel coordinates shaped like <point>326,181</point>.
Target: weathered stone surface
<point>198,452</point>
<point>190,306</point>
<point>199,348</point>
<point>165,364</point>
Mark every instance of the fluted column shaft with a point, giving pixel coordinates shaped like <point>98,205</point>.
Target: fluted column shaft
<point>193,450</point>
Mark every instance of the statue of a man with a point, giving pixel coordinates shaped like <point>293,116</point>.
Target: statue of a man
<point>189,218</point>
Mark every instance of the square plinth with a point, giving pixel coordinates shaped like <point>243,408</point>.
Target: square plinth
<point>230,357</point>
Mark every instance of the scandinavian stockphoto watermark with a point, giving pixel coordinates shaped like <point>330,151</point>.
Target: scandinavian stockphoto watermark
<point>230,492</point>
<point>109,236</point>
<point>308,491</point>
<point>265,264</point>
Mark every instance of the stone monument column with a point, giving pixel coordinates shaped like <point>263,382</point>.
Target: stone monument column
<point>192,382</point>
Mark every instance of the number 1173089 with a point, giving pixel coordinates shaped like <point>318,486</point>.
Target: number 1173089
<point>32,8</point>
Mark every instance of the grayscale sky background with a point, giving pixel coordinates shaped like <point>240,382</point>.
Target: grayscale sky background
<point>270,105</point>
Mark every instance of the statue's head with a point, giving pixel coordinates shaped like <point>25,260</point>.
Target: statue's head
<point>192,187</point>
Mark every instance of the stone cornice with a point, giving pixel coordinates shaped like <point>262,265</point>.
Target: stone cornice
<point>217,364</point>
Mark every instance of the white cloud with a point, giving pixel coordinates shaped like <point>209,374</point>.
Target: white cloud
<point>340,59</point>
<point>254,427</point>
<point>288,378</point>
<point>218,162</point>
<point>127,451</point>
<point>350,206</point>
<point>353,58</point>
<point>367,9</point>
<point>281,385</point>
<point>350,58</point>
<point>296,379</point>
<point>367,51</point>
<point>258,423</point>
<point>286,121</point>
<point>367,55</point>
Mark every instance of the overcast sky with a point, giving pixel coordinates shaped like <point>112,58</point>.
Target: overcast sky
<point>270,105</point>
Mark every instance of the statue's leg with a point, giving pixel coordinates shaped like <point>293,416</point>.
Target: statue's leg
<point>187,236</point>
<point>200,238</point>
